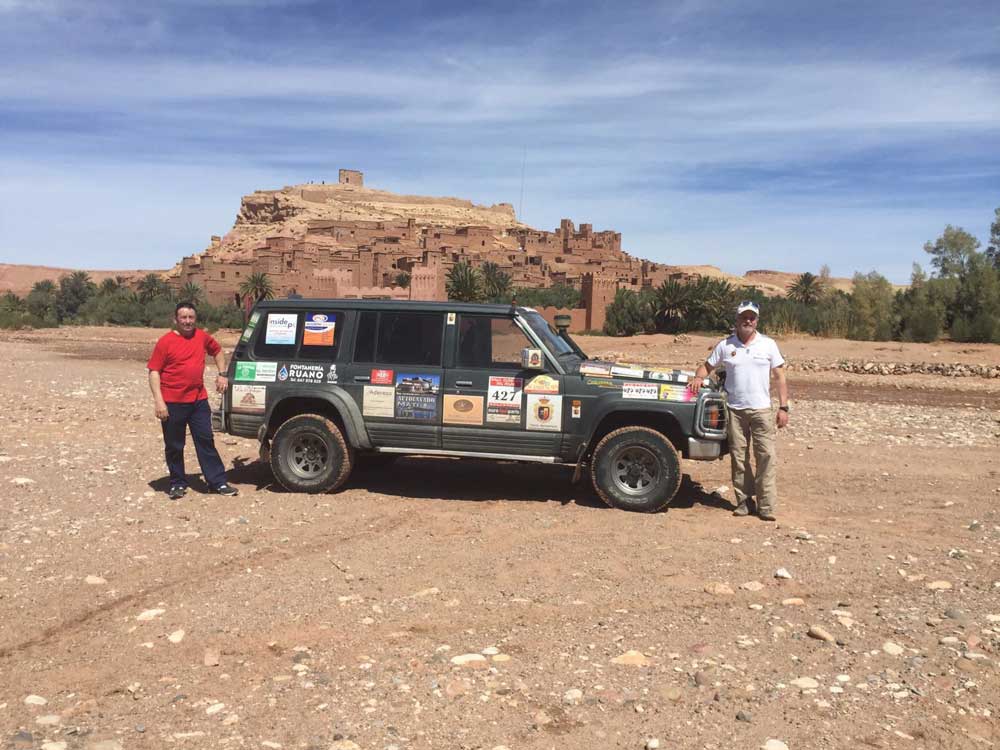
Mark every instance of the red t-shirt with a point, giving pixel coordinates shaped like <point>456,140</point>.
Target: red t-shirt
<point>181,364</point>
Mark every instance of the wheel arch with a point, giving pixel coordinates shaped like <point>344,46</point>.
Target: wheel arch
<point>662,421</point>
<point>336,406</point>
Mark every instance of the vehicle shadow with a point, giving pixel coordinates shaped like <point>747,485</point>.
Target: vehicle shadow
<point>470,480</point>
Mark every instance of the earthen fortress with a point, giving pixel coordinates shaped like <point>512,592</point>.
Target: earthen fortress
<point>346,240</point>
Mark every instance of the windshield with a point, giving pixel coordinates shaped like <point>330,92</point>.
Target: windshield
<point>549,336</point>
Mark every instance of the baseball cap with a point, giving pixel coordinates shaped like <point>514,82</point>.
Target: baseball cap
<point>748,306</point>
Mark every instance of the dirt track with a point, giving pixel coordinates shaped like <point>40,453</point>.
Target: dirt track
<point>308,621</point>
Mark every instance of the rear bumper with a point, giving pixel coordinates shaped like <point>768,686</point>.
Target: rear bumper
<point>704,450</point>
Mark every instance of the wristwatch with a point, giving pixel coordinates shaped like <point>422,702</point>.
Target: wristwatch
<point>784,409</point>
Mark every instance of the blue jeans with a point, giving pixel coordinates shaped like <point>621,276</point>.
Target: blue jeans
<point>198,415</point>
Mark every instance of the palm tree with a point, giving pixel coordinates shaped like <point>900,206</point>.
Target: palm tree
<point>403,279</point>
<point>10,302</point>
<point>191,292</point>
<point>496,283</point>
<point>45,286</point>
<point>464,283</point>
<point>257,286</point>
<point>807,289</point>
<point>152,286</point>
<point>673,299</point>
<point>108,287</point>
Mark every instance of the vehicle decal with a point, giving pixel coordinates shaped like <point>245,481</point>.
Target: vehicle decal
<point>602,383</point>
<point>381,377</point>
<point>319,329</point>
<point>417,396</point>
<point>251,324</point>
<point>451,319</point>
<point>619,371</point>
<point>675,376</point>
<point>460,409</point>
<point>676,393</point>
<point>281,328</point>
<point>299,372</point>
<point>260,372</point>
<point>331,375</point>
<point>576,408</point>
<point>378,401</point>
<point>595,368</point>
<point>640,390</point>
<point>531,359</point>
<point>504,400</point>
<point>542,384</point>
<point>544,413</point>
<point>251,399</point>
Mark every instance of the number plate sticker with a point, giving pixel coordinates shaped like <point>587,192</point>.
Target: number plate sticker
<point>503,404</point>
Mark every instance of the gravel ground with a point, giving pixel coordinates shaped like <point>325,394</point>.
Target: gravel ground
<point>472,604</point>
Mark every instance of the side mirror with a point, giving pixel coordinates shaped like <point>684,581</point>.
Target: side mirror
<point>532,359</point>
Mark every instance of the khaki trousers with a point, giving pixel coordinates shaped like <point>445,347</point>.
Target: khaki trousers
<point>754,429</point>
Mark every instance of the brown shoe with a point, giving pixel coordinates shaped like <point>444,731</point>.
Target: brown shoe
<point>742,510</point>
<point>766,515</point>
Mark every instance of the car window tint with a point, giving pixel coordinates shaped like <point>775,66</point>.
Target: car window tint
<point>321,332</point>
<point>485,342</point>
<point>364,342</point>
<point>277,335</point>
<point>407,338</point>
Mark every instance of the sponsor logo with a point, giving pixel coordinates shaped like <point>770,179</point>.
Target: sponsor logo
<point>576,409</point>
<point>261,372</point>
<point>626,372</point>
<point>544,413</point>
<point>251,324</point>
<point>601,383</point>
<point>676,393</point>
<point>378,400</point>
<point>595,368</point>
<point>331,375</point>
<point>249,398</point>
<point>281,328</point>
<point>416,396</point>
<point>542,384</point>
<point>640,390</point>
<point>463,409</point>
<point>381,377</point>
<point>319,329</point>
<point>283,374</point>
<point>303,373</point>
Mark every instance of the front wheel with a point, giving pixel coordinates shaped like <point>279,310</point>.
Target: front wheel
<point>636,468</point>
<point>309,454</point>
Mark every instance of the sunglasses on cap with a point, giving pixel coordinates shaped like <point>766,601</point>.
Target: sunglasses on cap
<point>748,306</point>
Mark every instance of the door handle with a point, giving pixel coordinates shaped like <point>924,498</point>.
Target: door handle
<point>464,382</point>
<point>362,378</point>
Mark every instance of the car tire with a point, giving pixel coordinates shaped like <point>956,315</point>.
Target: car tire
<point>309,454</point>
<point>636,468</point>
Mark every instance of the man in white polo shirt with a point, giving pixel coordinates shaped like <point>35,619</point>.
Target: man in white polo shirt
<point>749,358</point>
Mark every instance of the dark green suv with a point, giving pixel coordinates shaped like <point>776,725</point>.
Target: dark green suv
<point>319,382</point>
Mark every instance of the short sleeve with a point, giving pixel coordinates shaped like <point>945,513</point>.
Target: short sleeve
<point>211,345</point>
<point>158,358</point>
<point>718,354</point>
<point>776,359</point>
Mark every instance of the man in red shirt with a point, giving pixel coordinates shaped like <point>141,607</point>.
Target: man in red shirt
<point>176,378</point>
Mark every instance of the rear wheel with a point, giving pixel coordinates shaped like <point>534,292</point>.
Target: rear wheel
<point>636,468</point>
<point>309,454</point>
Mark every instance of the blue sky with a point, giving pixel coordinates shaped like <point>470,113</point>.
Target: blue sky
<point>759,134</point>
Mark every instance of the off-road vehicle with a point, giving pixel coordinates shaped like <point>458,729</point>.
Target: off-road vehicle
<point>323,382</point>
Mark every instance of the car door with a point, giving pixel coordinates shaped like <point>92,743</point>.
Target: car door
<point>490,403</point>
<point>395,377</point>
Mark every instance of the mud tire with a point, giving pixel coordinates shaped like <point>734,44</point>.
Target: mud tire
<point>636,468</point>
<point>309,454</point>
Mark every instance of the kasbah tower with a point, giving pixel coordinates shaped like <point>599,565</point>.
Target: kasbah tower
<point>345,240</point>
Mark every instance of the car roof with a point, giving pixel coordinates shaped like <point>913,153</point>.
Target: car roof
<point>389,304</point>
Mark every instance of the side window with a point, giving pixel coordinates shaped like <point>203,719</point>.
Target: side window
<point>407,338</point>
<point>320,335</point>
<point>485,342</point>
<point>276,335</point>
<point>364,344</point>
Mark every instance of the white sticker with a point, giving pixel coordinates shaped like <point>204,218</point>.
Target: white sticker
<point>451,319</point>
<point>626,372</point>
<point>641,390</point>
<point>378,401</point>
<point>281,328</point>
<point>544,412</point>
<point>249,398</point>
<point>503,404</point>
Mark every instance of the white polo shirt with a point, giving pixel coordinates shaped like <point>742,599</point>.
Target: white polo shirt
<point>748,369</point>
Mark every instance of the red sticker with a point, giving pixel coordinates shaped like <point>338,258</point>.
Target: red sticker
<point>382,377</point>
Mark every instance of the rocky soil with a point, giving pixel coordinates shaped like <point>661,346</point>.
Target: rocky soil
<point>468,604</point>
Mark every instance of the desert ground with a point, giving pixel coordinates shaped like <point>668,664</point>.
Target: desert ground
<point>480,605</point>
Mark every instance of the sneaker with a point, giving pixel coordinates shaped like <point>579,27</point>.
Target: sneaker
<point>742,510</point>
<point>226,489</point>
<point>177,492</point>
